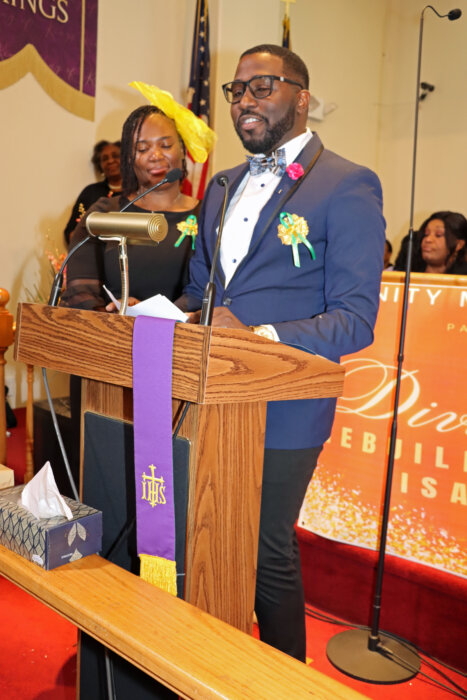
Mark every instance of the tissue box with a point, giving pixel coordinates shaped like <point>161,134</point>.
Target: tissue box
<point>7,477</point>
<point>48,542</point>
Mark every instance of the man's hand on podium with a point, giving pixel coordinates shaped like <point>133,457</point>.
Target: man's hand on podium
<point>221,318</point>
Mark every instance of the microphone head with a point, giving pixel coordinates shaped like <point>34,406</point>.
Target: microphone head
<point>222,180</point>
<point>454,14</point>
<point>172,175</point>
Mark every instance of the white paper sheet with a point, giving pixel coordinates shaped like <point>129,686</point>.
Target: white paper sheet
<point>158,306</point>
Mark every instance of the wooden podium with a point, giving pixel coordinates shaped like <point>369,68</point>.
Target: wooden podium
<point>228,376</point>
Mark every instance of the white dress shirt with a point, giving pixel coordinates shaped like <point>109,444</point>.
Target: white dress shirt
<point>246,205</point>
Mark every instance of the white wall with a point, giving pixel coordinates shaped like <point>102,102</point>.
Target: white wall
<point>442,130</point>
<point>361,54</point>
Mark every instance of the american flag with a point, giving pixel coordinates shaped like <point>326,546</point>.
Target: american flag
<point>286,32</point>
<point>195,183</point>
<point>286,40</point>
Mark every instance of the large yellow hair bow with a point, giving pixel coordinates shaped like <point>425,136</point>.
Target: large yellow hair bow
<point>197,136</point>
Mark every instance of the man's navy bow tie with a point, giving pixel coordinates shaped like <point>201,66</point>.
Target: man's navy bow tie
<point>276,163</point>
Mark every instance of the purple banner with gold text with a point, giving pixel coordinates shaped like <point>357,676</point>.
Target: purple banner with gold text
<point>56,41</point>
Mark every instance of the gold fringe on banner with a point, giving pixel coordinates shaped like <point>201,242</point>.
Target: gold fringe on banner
<point>159,571</point>
<point>28,60</point>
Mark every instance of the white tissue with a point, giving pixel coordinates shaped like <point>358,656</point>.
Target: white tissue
<point>41,497</point>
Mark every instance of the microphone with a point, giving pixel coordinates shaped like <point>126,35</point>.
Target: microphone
<point>172,175</point>
<point>454,14</point>
<point>451,15</point>
<point>210,289</point>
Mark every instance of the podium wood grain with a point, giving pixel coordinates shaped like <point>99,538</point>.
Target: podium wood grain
<point>179,645</point>
<point>226,465</point>
<point>210,365</point>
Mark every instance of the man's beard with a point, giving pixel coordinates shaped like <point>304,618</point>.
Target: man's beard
<point>272,136</point>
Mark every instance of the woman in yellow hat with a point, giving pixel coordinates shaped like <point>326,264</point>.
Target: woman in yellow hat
<point>155,139</point>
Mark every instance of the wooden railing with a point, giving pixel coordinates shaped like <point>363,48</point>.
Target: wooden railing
<point>182,647</point>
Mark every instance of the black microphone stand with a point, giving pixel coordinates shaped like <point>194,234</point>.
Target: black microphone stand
<point>209,296</point>
<point>375,657</point>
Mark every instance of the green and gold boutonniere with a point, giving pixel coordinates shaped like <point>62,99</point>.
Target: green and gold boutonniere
<point>293,230</point>
<point>189,227</point>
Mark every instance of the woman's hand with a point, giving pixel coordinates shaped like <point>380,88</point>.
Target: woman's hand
<point>111,308</point>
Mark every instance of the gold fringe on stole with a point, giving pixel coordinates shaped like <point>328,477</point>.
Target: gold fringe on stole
<point>159,571</point>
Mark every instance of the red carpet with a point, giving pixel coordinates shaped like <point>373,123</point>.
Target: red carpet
<point>423,605</point>
<point>38,647</point>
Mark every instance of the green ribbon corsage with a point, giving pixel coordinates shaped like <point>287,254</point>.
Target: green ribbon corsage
<point>189,227</point>
<point>293,230</point>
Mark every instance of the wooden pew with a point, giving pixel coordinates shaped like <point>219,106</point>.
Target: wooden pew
<point>182,647</point>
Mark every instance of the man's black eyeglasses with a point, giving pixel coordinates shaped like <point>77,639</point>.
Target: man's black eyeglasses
<point>260,87</point>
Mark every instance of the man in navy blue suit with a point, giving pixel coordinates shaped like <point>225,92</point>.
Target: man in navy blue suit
<point>300,262</point>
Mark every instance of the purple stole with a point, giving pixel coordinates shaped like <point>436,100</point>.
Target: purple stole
<point>152,417</point>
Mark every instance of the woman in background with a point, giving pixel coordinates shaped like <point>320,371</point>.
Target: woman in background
<point>154,141</point>
<point>442,244</point>
<point>106,161</point>
<point>387,256</point>
<point>439,245</point>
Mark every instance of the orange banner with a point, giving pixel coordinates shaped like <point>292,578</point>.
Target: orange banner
<point>428,516</point>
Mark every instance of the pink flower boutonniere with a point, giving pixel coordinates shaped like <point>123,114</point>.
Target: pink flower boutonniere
<point>294,171</point>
